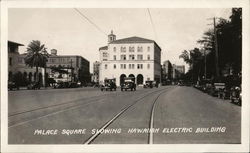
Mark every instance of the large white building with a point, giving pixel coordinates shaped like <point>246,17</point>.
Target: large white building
<point>135,57</point>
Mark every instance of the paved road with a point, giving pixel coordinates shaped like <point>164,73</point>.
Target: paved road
<point>165,115</point>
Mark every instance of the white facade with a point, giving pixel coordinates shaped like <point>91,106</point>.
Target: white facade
<point>130,57</point>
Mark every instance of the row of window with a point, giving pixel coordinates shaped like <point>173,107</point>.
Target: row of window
<point>61,60</point>
<point>131,49</point>
<point>131,57</point>
<point>130,66</point>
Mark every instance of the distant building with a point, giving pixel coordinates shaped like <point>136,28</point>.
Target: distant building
<point>17,69</point>
<point>134,57</point>
<point>181,68</point>
<point>178,71</point>
<point>13,54</point>
<point>168,70</point>
<point>76,68</point>
<point>96,69</point>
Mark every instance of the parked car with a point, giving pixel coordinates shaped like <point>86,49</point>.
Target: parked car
<point>12,85</point>
<point>236,95</point>
<point>34,86</point>
<point>59,85</point>
<point>217,89</point>
<point>148,84</point>
<point>128,84</point>
<point>109,84</point>
<point>73,85</point>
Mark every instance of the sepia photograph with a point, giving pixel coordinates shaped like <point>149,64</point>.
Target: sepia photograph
<point>100,76</point>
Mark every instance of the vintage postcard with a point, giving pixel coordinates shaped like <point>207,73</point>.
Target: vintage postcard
<point>123,76</point>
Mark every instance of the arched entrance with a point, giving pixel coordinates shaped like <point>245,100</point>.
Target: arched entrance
<point>35,76</point>
<point>25,78</point>
<point>122,78</point>
<point>30,77</point>
<point>132,76</point>
<point>40,78</point>
<point>139,79</point>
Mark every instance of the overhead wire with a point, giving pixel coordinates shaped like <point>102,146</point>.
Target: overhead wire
<point>85,17</point>
<point>152,23</point>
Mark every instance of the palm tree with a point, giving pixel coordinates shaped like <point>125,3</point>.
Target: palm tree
<point>36,56</point>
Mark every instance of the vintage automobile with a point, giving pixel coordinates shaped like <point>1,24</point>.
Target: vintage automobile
<point>217,89</point>
<point>128,84</point>
<point>12,85</point>
<point>60,85</point>
<point>236,95</point>
<point>148,84</point>
<point>34,86</point>
<point>109,84</point>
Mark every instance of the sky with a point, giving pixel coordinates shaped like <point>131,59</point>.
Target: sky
<point>64,29</point>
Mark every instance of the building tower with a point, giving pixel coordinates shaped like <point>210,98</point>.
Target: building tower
<point>111,37</point>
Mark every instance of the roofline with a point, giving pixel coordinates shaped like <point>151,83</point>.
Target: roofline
<point>103,47</point>
<point>113,42</point>
<point>15,43</point>
<point>157,45</point>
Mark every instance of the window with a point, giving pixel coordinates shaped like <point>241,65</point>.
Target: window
<point>123,66</point>
<point>114,66</point>
<point>148,66</point>
<point>139,66</point>
<point>148,57</point>
<point>114,49</point>
<point>131,57</point>
<point>114,57</point>
<point>139,57</point>
<point>131,49</point>
<point>131,66</point>
<point>106,66</point>
<point>139,49</point>
<point>123,49</point>
<point>123,57</point>
<point>105,54</point>
<point>10,61</point>
<point>148,48</point>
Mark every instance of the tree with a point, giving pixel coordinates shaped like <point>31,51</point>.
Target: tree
<point>194,58</point>
<point>36,56</point>
<point>229,40</point>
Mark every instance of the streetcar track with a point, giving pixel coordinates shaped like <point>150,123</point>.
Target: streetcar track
<point>66,109</point>
<point>151,122</point>
<point>57,105</point>
<point>94,136</point>
<point>56,112</point>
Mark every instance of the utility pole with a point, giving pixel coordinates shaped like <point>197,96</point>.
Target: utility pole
<point>216,50</point>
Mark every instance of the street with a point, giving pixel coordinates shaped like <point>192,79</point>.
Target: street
<point>164,115</point>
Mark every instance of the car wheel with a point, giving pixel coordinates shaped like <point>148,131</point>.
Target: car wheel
<point>121,89</point>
